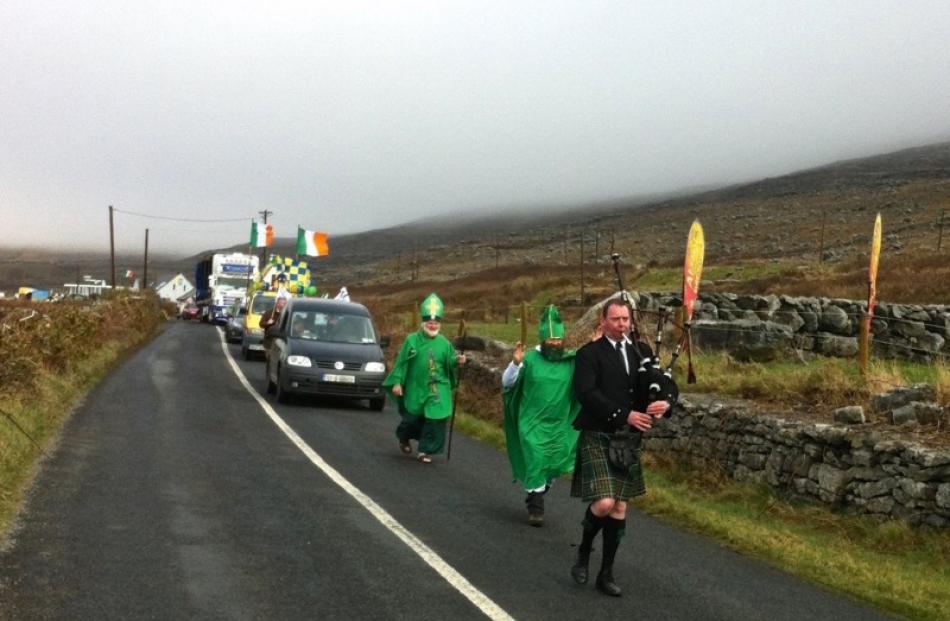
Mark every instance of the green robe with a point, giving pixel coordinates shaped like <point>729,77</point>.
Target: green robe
<point>428,371</point>
<point>539,411</point>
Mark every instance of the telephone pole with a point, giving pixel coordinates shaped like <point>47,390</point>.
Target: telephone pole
<point>112,246</point>
<point>145,269</point>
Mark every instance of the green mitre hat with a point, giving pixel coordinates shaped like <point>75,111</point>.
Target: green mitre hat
<point>550,325</point>
<point>432,308</point>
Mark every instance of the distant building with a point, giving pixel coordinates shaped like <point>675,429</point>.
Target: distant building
<point>175,288</point>
<point>88,288</point>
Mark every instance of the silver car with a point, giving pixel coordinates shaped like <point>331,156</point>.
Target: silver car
<point>234,328</point>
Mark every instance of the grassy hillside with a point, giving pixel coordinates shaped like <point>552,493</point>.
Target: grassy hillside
<point>806,232</point>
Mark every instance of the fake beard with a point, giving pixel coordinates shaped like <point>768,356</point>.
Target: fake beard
<point>552,352</point>
<point>431,333</point>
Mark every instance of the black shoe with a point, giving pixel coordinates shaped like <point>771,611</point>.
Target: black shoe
<point>579,570</point>
<point>606,584</point>
<point>579,573</point>
<point>535,504</point>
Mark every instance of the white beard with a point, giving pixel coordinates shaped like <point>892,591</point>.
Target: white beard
<point>431,333</point>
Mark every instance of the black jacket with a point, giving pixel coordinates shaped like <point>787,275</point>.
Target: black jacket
<point>603,387</point>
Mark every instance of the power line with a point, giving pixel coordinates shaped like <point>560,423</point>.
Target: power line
<point>145,215</point>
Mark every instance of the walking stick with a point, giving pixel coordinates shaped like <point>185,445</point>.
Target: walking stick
<point>455,400</point>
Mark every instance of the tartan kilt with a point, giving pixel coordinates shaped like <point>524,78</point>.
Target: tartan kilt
<point>595,477</point>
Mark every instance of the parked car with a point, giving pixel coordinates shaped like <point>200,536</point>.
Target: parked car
<point>253,336</point>
<point>325,347</point>
<point>190,311</point>
<point>234,328</point>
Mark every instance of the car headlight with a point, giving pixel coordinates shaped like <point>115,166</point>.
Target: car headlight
<point>298,361</point>
<point>375,367</point>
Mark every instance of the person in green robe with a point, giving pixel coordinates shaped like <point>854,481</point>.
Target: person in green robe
<point>540,408</point>
<point>422,381</point>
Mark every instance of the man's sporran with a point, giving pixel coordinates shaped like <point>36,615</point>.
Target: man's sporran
<point>623,449</point>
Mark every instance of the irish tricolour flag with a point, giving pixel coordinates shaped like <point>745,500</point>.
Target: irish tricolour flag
<point>312,243</point>
<point>262,235</point>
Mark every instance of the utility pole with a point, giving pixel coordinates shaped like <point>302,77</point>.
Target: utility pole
<point>145,269</point>
<point>112,246</point>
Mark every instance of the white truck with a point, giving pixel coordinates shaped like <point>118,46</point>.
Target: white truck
<point>220,280</point>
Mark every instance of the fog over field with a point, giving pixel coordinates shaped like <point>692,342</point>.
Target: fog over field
<point>345,117</point>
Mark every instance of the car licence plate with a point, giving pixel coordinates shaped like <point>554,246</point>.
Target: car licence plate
<point>340,379</point>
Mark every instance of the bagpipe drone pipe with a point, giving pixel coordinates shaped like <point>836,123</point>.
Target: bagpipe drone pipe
<point>653,382</point>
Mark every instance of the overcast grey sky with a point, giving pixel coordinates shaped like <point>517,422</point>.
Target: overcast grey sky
<point>347,116</point>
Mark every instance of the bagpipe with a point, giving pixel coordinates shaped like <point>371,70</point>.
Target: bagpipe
<point>654,381</point>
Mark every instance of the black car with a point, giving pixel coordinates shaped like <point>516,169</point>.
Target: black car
<point>325,347</point>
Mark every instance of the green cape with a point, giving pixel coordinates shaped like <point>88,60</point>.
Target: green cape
<point>428,371</point>
<point>539,411</point>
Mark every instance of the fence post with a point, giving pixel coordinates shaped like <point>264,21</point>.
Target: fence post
<point>582,268</point>
<point>524,323</point>
<point>821,238</point>
<point>940,229</point>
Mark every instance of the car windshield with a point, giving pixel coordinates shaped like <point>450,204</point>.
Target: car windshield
<point>262,304</point>
<point>332,327</point>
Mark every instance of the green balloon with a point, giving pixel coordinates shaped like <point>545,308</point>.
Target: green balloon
<point>311,291</point>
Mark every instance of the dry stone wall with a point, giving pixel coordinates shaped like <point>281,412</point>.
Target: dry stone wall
<point>854,468</point>
<point>760,327</point>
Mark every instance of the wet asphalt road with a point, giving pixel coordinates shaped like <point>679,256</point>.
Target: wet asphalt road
<point>172,495</point>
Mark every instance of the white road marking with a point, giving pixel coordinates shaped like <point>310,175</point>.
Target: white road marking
<point>427,554</point>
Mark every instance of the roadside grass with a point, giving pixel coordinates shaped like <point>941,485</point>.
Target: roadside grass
<point>506,332</point>
<point>52,355</point>
<point>671,278</point>
<point>890,565</point>
<point>894,567</point>
<point>41,415</point>
<point>821,383</point>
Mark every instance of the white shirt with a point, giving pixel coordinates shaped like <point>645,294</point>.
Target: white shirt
<point>627,343</point>
<point>510,375</point>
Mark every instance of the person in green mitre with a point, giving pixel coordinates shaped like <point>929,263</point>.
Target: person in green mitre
<point>540,408</point>
<point>422,380</point>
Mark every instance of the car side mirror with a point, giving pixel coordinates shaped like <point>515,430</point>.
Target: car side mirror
<point>384,341</point>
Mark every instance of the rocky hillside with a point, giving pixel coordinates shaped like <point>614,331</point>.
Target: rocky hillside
<point>827,210</point>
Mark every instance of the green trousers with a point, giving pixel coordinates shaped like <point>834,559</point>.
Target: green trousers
<point>430,433</point>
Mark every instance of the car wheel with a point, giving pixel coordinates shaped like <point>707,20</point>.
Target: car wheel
<point>245,352</point>
<point>377,404</point>
<point>282,395</point>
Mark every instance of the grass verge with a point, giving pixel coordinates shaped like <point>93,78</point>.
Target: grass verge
<point>890,565</point>
<point>41,416</point>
